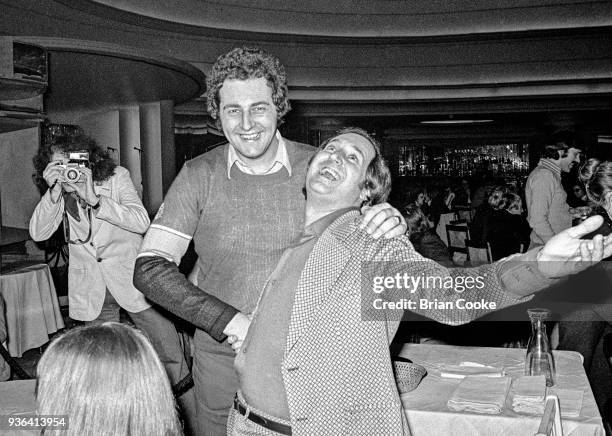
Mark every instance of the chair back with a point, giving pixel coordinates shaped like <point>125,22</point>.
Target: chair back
<point>457,234</point>
<point>464,213</point>
<point>550,425</point>
<point>445,218</point>
<point>479,255</point>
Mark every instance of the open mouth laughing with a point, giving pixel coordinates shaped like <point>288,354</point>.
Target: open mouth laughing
<point>329,173</point>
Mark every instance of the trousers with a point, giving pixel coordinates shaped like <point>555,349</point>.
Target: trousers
<point>240,425</point>
<point>216,383</point>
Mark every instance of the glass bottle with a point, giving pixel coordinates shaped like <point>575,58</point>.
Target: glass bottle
<point>539,359</point>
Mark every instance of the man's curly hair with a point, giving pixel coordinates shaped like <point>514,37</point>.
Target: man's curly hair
<point>244,63</point>
<point>101,164</point>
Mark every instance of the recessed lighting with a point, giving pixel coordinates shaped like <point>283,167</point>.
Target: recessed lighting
<point>456,121</point>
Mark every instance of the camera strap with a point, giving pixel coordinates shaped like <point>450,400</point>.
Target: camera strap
<point>67,228</point>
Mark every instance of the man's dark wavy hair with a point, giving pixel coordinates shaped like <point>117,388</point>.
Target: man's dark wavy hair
<point>101,164</point>
<point>244,63</point>
<point>560,141</point>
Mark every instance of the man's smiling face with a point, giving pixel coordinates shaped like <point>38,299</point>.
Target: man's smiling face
<point>337,171</point>
<point>249,118</point>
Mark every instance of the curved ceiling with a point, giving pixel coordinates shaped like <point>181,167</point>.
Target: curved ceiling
<point>414,54</point>
<point>367,18</point>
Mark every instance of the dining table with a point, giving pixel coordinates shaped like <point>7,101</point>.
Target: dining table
<point>428,413</point>
<point>426,406</point>
<point>32,308</point>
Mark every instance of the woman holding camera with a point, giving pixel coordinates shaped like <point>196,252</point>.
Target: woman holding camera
<point>104,220</point>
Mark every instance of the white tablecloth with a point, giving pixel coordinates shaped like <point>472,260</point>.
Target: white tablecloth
<point>429,415</point>
<point>32,308</point>
<point>445,219</point>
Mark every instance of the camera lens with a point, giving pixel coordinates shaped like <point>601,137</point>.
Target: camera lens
<point>72,174</point>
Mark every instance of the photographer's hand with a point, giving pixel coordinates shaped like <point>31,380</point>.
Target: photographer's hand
<point>52,175</point>
<point>85,188</point>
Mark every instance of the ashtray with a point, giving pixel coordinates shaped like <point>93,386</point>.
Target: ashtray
<point>408,375</point>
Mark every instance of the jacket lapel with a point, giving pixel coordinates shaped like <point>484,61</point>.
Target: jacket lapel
<point>104,189</point>
<point>324,266</point>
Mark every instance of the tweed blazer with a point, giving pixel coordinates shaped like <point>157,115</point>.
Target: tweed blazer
<point>336,368</point>
<point>107,260</point>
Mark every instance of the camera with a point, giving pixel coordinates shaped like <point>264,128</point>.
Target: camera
<point>76,160</point>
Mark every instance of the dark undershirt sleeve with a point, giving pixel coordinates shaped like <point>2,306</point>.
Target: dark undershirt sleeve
<point>161,282</point>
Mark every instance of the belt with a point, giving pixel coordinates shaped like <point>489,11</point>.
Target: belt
<point>260,420</point>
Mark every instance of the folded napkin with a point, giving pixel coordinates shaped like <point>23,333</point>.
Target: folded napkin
<point>470,368</point>
<point>570,401</point>
<point>480,394</point>
<point>528,393</point>
<point>527,397</point>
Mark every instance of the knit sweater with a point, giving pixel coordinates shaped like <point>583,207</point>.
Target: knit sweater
<point>240,225</point>
<point>548,211</point>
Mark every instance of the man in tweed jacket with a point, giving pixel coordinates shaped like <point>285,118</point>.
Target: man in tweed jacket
<point>323,367</point>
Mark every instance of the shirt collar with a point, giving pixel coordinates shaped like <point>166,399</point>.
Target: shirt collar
<point>319,226</point>
<point>280,160</point>
<point>549,164</point>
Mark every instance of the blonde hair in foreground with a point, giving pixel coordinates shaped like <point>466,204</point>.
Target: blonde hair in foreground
<point>109,380</point>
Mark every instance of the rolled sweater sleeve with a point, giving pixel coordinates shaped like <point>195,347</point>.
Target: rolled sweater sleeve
<point>156,273</point>
<point>154,276</point>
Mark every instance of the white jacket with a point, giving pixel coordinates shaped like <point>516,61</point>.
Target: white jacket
<point>107,260</point>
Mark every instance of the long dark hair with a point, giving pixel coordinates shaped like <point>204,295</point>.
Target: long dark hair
<point>101,164</point>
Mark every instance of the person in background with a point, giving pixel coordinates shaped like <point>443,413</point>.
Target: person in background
<point>424,239</point>
<point>578,197</point>
<point>242,204</point>
<point>547,209</point>
<point>441,202</point>
<point>463,193</point>
<point>482,191</point>
<point>416,195</point>
<point>480,230</point>
<point>508,230</point>
<point>103,220</point>
<point>108,381</point>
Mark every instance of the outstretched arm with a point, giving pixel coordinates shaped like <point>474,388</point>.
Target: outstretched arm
<point>401,276</point>
<point>566,253</point>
